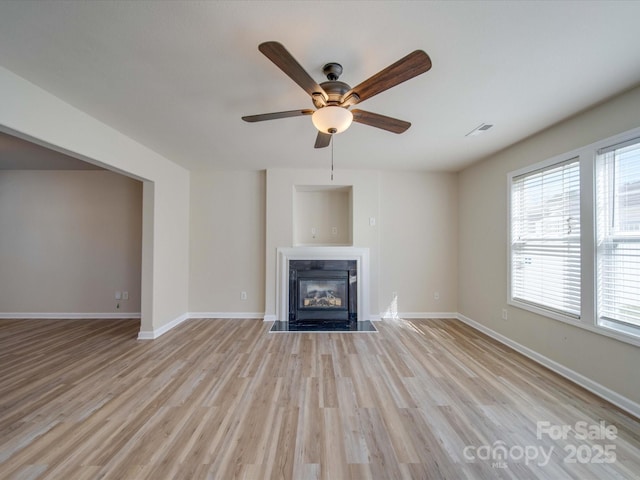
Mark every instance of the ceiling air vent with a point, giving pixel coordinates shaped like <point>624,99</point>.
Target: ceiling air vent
<point>483,127</point>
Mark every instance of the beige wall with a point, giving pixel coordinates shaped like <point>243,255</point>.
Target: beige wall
<point>68,241</point>
<point>227,242</point>
<point>482,258</point>
<point>419,231</point>
<point>36,115</point>
<point>321,211</point>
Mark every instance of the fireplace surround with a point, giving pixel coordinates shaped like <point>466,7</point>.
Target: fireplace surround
<point>356,261</point>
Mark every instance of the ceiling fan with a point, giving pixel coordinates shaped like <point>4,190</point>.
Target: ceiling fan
<point>333,98</point>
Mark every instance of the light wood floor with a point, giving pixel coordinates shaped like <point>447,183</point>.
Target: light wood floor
<point>226,399</point>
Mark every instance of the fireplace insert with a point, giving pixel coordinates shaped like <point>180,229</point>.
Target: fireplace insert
<point>322,291</point>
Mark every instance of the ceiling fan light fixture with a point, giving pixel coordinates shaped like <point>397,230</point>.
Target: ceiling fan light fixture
<point>332,119</point>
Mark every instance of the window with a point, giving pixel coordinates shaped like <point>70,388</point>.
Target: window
<point>618,235</point>
<point>574,237</point>
<point>545,238</point>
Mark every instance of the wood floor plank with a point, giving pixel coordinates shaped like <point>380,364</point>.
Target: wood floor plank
<point>225,398</point>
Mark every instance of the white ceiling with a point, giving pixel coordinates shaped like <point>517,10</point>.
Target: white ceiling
<point>177,76</point>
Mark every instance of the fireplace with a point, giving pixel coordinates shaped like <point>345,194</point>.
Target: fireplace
<point>286,256</point>
<point>323,291</point>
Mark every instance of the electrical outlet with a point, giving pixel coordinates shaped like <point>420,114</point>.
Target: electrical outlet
<point>118,295</point>
<point>436,295</point>
<point>505,314</point>
<point>243,295</point>
<point>125,295</point>
<point>334,230</point>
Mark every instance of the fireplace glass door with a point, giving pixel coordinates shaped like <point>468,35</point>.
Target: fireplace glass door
<point>328,293</point>
<point>322,290</point>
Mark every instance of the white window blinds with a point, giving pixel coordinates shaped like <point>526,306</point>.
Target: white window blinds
<point>545,238</point>
<point>618,233</point>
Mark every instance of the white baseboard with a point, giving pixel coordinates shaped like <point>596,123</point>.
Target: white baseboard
<point>153,334</point>
<point>146,335</point>
<point>609,395</point>
<point>425,315</point>
<point>218,315</point>
<point>69,316</point>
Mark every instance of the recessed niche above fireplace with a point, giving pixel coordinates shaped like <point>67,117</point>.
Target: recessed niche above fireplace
<point>323,215</point>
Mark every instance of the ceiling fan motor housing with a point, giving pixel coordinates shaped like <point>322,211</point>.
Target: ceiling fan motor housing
<point>335,90</point>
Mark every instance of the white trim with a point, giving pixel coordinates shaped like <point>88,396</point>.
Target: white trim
<point>270,318</point>
<point>609,395</point>
<point>220,315</point>
<point>153,334</point>
<point>146,335</point>
<point>423,315</point>
<point>360,255</point>
<point>69,316</point>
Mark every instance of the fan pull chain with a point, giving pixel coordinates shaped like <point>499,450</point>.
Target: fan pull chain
<point>332,131</point>
<point>332,159</point>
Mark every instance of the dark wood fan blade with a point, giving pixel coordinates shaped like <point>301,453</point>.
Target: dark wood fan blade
<point>279,55</point>
<point>273,116</point>
<point>414,64</point>
<point>322,140</point>
<point>380,121</point>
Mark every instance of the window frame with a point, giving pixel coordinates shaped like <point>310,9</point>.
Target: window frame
<point>514,177</point>
<point>589,317</point>
<point>615,238</point>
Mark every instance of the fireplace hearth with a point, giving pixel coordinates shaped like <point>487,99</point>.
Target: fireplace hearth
<point>322,291</point>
